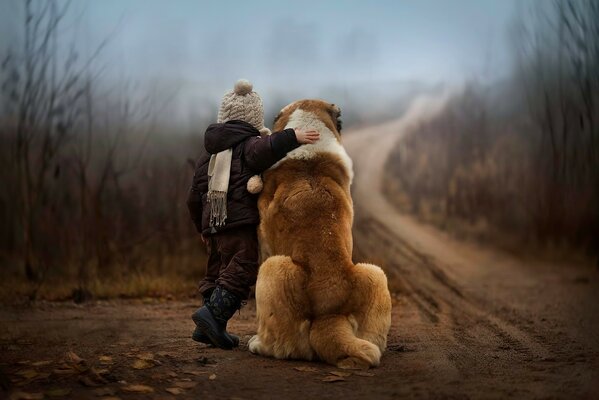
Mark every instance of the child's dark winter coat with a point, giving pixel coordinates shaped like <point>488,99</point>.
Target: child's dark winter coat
<point>252,154</point>
<point>233,253</point>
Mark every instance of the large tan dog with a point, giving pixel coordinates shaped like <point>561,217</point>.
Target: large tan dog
<point>312,301</point>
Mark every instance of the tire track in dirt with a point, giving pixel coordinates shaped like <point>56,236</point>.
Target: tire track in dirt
<point>433,291</point>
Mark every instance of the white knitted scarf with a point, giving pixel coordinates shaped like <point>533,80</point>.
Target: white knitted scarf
<point>219,171</point>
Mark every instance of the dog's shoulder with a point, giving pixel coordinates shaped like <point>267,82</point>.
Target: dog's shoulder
<point>328,146</point>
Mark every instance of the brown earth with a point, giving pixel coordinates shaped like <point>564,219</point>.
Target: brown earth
<point>468,322</point>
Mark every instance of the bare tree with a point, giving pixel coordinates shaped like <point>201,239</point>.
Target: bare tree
<point>43,96</point>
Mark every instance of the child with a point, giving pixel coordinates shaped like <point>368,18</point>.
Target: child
<point>225,212</point>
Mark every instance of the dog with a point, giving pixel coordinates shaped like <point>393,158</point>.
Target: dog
<point>312,301</point>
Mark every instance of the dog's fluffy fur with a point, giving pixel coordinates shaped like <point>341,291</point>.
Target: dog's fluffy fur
<point>312,301</point>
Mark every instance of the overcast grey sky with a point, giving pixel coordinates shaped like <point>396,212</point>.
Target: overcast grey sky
<point>195,44</point>
<point>378,39</point>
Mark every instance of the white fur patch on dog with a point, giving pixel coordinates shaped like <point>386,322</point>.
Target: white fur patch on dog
<point>327,143</point>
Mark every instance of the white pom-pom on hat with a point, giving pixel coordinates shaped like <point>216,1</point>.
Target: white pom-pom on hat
<point>243,87</point>
<point>255,184</point>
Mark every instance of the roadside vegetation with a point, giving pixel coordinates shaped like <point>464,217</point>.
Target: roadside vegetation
<point>516,163</point>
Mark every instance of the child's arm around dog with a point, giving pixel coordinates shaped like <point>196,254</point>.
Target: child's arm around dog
<point>259,152</point>
<point>262,152</point>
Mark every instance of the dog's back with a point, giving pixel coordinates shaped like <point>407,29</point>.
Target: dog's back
<point>310,297</point>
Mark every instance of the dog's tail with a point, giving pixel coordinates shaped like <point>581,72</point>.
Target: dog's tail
<point>333,338</point>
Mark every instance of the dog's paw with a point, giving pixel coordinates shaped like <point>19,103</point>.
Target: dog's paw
<point>352,363</point>
<point>368,355</point>
<point>254,344</point>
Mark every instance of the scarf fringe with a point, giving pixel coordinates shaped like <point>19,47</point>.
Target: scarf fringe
<point>218,207</point>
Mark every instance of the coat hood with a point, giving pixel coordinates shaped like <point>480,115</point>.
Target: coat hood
<point>219,137</point>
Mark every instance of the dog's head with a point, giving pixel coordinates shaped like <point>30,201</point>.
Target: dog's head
<point>303,114</point>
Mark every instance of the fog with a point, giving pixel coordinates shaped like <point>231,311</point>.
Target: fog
<point>103,105</point>
<point>363,54</point>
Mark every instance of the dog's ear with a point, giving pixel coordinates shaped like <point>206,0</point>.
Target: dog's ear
<point>277,118</point>
<point>335,112</point>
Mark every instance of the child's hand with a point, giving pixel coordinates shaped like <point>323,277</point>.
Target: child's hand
<point>306,137</point>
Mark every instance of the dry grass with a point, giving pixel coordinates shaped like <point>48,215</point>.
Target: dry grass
<point>481,231</point>
<point>156,275</point>
<point>479,176</point>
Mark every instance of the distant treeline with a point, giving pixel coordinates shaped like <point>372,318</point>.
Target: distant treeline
<point>93,190</point>
<point>522,157</point>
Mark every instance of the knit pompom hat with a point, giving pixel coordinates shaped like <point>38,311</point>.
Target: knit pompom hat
<point>244,104</point>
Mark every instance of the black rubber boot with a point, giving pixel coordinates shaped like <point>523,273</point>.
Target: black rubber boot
<point>211,319</point>
<point>199,336</point>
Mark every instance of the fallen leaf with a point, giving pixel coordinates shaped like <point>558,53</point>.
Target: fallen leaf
<point>138,389</point>
<point>142,364</point>
<point>363,373</point>
<point>333,378</point>
<point>340,373</point>
<point>82,367</point>
<point>74,358</point>
<point>58,392</point>
<point>27,373</point>
<point>26,396</point>
<point>157,376</point>
<point>212,377</point>
<point>174,390</point>
<point>40,363</point>
<point>195,373</point>
<point>186,385</point>
<point>87,381</point>
<point>306,369</point>
<point>145,356</point>
<point>105,391</point>
<point>106,360</point>
<point>41,375</point>
<point>95,376</point>
<point>205,361</point>
<point>64,370</point>
<point>101,371</point>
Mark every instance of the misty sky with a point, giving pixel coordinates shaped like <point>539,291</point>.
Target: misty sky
<point>302,44</point>
<point>381,39</point>
<point>424,40</point>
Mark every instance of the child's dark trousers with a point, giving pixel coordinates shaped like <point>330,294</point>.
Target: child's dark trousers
<point>232,261</point>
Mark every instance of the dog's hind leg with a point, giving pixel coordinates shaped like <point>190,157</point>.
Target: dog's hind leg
<point>333,337</point>
<point>282,307</point>
<point>372,309</point>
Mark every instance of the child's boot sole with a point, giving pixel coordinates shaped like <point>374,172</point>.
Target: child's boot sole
<point>198,336</point>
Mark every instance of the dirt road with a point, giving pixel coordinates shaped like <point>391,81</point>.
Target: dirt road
<point>467,323</point>
<point>483,324</point>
